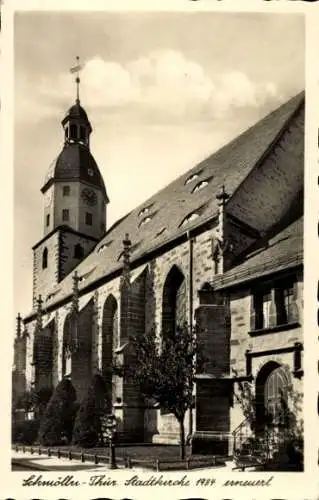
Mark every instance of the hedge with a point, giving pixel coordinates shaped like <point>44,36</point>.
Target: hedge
<point>87,427</point>
<point>58,418</point>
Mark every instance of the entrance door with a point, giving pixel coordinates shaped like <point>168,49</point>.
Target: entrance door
<point>276,395</point>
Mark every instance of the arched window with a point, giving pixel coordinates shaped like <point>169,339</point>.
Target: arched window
<point>174,302</point>
<point>109,341</point>
<point>272,386</point>
<point>45,258</point>
<point>78,251</point>
<point>276,395</point>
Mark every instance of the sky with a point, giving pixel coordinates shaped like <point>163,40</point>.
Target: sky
<point>162,92</point>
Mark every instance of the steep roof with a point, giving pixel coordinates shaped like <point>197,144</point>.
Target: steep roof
<point>184,204</point>
<point>282,251</point>
<point>75,162</point>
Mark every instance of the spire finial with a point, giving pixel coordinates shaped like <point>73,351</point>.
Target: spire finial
<point>76,69</point>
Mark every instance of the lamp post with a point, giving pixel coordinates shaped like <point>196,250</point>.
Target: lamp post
<point>111,430</point>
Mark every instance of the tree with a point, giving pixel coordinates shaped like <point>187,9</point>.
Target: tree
<point>58,418</point>
<point>166,375</point>
<point>87,427</point>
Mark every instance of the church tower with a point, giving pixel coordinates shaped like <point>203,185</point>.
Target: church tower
<point>74,209</point>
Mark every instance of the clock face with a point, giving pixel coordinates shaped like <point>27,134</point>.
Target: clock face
<point>89,196</point>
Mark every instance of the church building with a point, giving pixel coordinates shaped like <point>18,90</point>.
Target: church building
<point>220,248</point>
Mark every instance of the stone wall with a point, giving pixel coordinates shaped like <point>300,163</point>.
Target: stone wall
<point>268,342</point>
<point>68,241</point>
<point>45,279</point>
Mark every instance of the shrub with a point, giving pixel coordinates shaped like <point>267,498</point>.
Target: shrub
<point>58,418</point>
<point>87,427</point>
<point>25,432</point>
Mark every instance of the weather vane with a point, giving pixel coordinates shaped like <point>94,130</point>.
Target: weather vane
<point>76,69</point>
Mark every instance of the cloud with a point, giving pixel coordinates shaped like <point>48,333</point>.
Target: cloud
<point>164,83</point>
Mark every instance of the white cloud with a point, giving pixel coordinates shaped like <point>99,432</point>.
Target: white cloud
<point>164,83</point>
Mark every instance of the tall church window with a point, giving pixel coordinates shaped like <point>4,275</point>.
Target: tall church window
<point>88,218</point>
<point>109,341</point>
<point>78,251</point>
<point>66,190</point>
<point>65,214</point>
<point>45,258</point>
<point>174,302</point>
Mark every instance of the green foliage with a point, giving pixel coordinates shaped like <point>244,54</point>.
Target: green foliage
<point>286,431</point>
<point>87,427</point>
<point>25,432</point>
<point>58,418</point>
<point>35,400</point>
<point>165,374</point>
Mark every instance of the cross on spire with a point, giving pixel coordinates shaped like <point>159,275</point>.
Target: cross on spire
<point>76,69</point>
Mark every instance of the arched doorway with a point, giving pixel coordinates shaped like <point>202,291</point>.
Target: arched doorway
<point>272,387</point>
<point>174,302</point>
<point>109,341</point>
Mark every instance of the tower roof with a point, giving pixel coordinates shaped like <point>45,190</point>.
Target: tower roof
<point>76,112</point>
<point>75,163</point>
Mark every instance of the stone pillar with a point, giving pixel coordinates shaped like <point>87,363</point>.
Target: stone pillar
<point>18,330</point>
<point>95,334</point>
<point>75,312</point>
<point>37,330</point>
<point>219,242</point>
<point>125,291</point>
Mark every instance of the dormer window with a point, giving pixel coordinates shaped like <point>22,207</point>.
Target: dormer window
<point>144,221</point>
<point>193,177</point>
<point>160,232</point>
<point>200,186</point>
<point>145,210</point>
<point>193,216</point>
<point>190,218</point>
<point>104,246</point>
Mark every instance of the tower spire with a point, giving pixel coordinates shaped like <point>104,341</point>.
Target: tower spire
<point>76,69</point>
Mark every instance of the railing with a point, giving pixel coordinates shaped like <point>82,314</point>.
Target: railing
<point>251,448</point>
<point>124,461</point>
<point>241,435</point>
